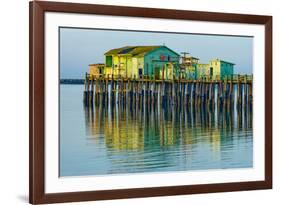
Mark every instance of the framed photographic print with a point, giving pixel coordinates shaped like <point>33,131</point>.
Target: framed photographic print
<point>139,102</point>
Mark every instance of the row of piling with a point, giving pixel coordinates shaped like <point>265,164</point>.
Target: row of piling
<point>144,92</point>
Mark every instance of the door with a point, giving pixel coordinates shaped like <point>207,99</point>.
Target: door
<point>157,72</point>
<point>211,72</point>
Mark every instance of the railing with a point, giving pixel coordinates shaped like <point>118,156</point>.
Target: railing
<point>207,78</point>
<point>234,77</point>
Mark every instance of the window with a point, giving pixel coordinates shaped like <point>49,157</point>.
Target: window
<point>108,61</point>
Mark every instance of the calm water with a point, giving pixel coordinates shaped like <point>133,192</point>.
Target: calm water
<point>99,141</point>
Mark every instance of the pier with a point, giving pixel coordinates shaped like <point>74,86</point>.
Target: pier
<point>135,93</point>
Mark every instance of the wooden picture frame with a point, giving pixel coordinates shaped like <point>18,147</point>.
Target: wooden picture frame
<point>37,193</point>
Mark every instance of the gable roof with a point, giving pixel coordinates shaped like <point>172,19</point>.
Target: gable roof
<point>96,64</point>
<point>134,50</point>
<point>115,51</point>
<point>192,57</point>
<point>223,61</point>
<point>227,62</point>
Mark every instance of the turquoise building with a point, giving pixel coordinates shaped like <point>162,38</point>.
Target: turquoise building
<point>161,62</point>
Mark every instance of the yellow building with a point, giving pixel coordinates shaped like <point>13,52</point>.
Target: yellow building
<point>219,69</point>
<point>96,70</point>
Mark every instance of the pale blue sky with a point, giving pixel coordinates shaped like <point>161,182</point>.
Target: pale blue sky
<point>81,47</point>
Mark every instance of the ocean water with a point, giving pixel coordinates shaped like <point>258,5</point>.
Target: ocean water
<point>102,141</point>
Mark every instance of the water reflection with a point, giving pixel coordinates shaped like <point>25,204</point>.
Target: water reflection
<point>173,138</point>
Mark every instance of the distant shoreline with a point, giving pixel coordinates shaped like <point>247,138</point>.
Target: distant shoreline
<point>72,81</point>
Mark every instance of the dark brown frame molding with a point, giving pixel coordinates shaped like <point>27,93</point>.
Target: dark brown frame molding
<point>37,193</point>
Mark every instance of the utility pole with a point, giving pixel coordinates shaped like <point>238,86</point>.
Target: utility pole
<point>184,54</point>
<point>183,57</point>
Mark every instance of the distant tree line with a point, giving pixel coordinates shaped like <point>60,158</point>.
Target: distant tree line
<point>71,81</point>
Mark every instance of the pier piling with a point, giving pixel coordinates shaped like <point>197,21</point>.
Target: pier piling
<point>151,92</point>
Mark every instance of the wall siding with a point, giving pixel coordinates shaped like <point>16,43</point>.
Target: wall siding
<point>154,65</point>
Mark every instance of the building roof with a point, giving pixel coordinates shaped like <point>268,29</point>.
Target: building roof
<point>97,64</point>
<point>191,57</point>
<point>194,58</point>
<point>134,50</point>
<point>223,61</point>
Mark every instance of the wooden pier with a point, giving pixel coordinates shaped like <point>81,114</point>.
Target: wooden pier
<point>137,93</point>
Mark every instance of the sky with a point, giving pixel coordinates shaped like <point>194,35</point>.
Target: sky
<point>81,47</point>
